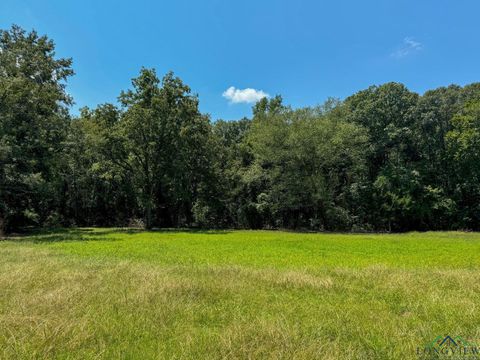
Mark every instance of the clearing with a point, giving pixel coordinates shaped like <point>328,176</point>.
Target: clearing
<point>123,294</point>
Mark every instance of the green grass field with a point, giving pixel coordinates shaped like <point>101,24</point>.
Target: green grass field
<point>113,294</point>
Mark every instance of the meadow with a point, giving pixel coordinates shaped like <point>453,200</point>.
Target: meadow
<point>126,294</point>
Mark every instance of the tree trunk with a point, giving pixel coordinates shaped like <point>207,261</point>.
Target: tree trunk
<point>2,226</point>
<point>148,214</point>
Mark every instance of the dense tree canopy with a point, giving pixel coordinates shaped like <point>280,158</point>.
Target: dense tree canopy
<point>384,159</point>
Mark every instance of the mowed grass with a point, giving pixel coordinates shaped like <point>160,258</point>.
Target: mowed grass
<point>117,294</point>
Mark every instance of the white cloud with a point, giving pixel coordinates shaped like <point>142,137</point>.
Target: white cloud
<point>243,95</point>
<point>408,47</point>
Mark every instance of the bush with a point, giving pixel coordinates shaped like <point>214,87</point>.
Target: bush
<point>203,215</point>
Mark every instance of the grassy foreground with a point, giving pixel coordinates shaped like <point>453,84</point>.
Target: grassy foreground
<point>113,294</point>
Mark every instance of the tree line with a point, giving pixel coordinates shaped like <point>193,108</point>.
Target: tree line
<point>383,159</point>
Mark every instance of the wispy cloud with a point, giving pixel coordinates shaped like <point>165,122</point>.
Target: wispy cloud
<point>243,95</point>
<point>409,46</point>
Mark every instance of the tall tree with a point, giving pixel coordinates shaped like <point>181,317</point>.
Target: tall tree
<point>33,122</point>
<point>95,191</point>
<point>463,142</point>
<point>385,111</point>
<point>161,140</point>
<point>307,162</point>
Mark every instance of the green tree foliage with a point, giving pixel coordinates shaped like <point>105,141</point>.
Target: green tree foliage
<point>162,141</point>
<point>307,165</point>
<point>463,142</point>
<point>95,190</point>
<point>384,159</point>
<point>233,156</point>
<point>33,125</point>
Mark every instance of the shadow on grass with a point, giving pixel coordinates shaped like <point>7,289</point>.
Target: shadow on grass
<point>172,230</point>
<point>57,235</point>
<point>97,234</point>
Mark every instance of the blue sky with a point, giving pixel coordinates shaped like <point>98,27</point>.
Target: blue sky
<point>305,50</point>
